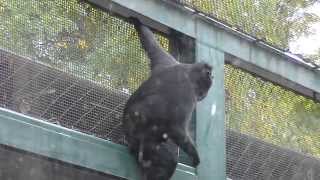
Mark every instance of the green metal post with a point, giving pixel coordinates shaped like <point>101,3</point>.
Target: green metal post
<point>210,136</point>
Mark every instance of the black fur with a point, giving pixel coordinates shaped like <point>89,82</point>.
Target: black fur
<point>157,161</point>
<point>161,109</point>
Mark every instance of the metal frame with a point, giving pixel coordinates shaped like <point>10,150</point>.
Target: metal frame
<point>215,43</point>
<point>163,15</point>
<point>36,136</point>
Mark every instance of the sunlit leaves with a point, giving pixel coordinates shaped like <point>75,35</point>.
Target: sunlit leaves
<point>76,38</point>
<point>271,113</point>
<point>276,21</point>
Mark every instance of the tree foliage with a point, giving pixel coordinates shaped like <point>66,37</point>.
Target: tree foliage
<point>275,21</point>
<point>314,57</point>
<point>76,38</point>
<point>258,107</point>
<point>91,44</point>
<point>267,111</point>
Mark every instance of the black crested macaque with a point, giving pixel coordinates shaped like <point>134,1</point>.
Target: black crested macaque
<point>161,109</point>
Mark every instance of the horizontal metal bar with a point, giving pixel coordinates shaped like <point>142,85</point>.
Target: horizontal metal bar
<point>275,78</point>
<point>36,136</point>
<point>162,16</point>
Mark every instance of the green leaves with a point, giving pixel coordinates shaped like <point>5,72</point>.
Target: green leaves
<point>91,44</point>
<point>275,21</point>
<point>271,113</point>
<point>76,38</point>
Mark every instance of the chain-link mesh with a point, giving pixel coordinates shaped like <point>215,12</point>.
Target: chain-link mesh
<point>83,64</point>
<point>273,21</point>
<point>68,63</point>
<point>272,133</point>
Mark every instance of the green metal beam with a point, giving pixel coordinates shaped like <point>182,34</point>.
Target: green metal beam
<point>210,116</point>
<point>36,136</point>
<point>163,15</point>
<point>155,13</point>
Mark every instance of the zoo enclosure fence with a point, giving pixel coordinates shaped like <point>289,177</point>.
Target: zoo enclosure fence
<point>82,64</point>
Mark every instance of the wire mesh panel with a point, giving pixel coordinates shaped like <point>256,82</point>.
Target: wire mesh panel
<point>70,64</point>
<point>82,64</point>
<point>273,21</point>
<point>272,133</point>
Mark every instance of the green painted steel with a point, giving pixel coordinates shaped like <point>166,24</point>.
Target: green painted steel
<point>73,147</point>
<point>212,42</point>
<point>152,9</point>
<point>210,116</point>
<point>218,37</point>
<point>250,53</point>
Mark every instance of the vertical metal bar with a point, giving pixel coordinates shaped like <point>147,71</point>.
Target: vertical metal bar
<point>210,113</point>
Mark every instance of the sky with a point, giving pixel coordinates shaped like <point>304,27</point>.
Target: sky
<point>310,44</point>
